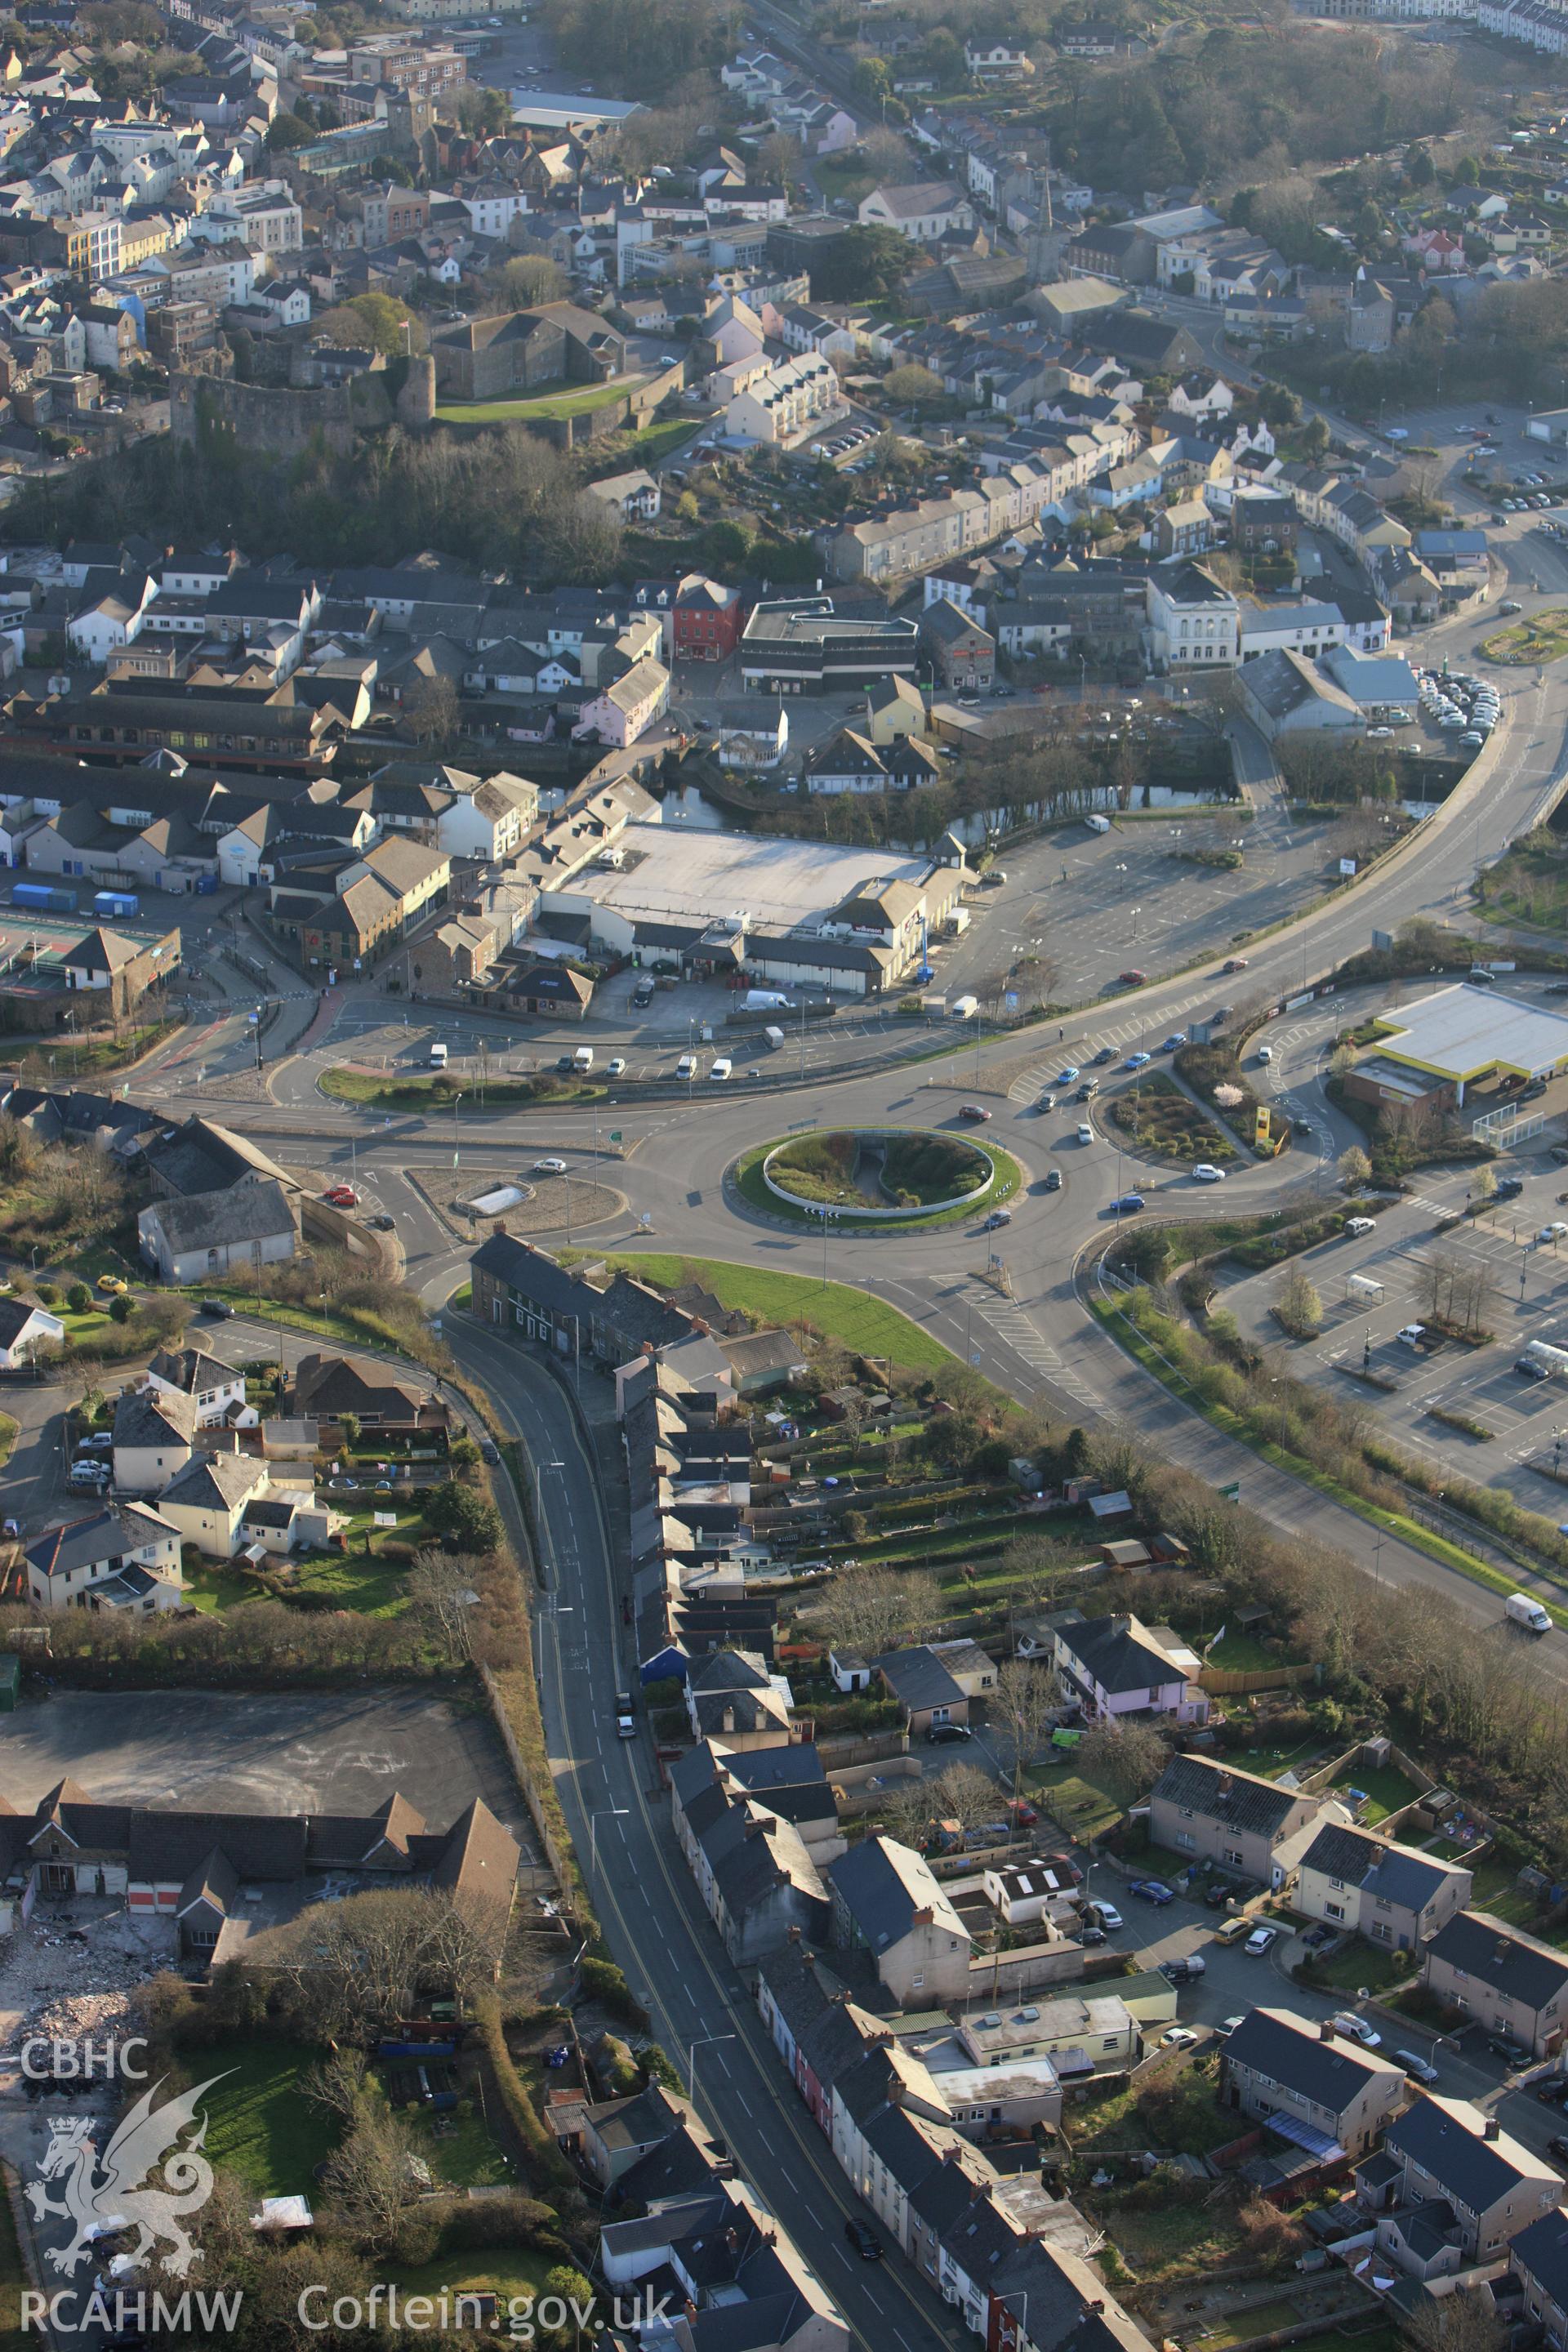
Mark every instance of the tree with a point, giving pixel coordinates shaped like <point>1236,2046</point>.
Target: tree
<point>1315,436</point>
<point>913,387</point>
<point>1128,1757</point>
<point>369,2176</point>
<point>286,131</point>
<point>121,1308</point>
<point>79,1298</point>
<point>862,263</point>
<point>726,543</point>
<point>1483,1183</point>
<point>338,2083</point>
<point>1467,172</point>
<point>869,1610</point>
<point>1355,1168</point>
<point>442,1588</point>
<point>481,112</point>
<point>529,279</point>
<point>1025,1697</point>
<point>349,1429</point>
<point>964,1794</point>
<point>466,1517</point>
<point>432,709</point>
<point>1420,171</point>
<point>1299,1306</point>
<point>378,321</point>
<point>349,1969</point>
<point>1462,2322</point>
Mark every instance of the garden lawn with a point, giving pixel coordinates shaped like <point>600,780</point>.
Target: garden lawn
<point>853,1317</point>
<point>1242,1654</point>
<point>458,2147</point>
<point>1175,2241</point>
<point>503,2270</point>
<point>1362,1964</point>
<point>260,2123</point>
<point>1494,1890</point>
<point>655,442</point>
<point>212,1589</point>
<point>364,1581</point>
<point>1385,1787</point>
<point>544,404</point>
<point>1081,1805</point>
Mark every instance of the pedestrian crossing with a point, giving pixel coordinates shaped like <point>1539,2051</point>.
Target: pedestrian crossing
<point>1124,1033</point>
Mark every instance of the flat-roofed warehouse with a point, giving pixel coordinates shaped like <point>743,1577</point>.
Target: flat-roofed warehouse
<point>788,913</point>
<point>1461,1035</point>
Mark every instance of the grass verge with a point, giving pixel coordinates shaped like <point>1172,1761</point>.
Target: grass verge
<point>854,1317</point>
<point>1393,1523</point>
<point>436,1093</point>
<point>545,405</point>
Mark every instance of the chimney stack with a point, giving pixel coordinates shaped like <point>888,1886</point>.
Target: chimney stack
<point>1326,2030</point>
<point>1493,2128</point>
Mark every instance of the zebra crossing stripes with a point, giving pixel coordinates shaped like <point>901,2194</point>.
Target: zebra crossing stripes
<point>1009,1323</point>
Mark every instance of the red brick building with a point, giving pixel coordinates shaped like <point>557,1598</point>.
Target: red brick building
<point>707,622</point>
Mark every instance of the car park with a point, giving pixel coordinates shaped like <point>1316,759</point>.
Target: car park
<point>1205,1173</point>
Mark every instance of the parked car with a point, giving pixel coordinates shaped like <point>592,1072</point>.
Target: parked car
<point>1356,2028</point>
<point>336,1196</point>
<point>1228,2025</point>
<point>1180,2037</point>
<point>1553,2090</point>
<point>615,1067</point>
<point>1259,1941</point>
<point>1133,977</point>
<point>1419,2069</point>
<point>1317,1937</point>
<point>1558,2146</point>
<point>1510,2052</point>
<point>1151,1890</point>
<point>1104,1915</point>
<point>489,1450</point>
<point>864,2238</point>
<point>1106,1054</point>
<point>941,1734</point>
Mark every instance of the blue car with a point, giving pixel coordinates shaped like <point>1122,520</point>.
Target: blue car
<point>1069,1074</point>
<point>1128,1205</point>
<point>1137,1061</point>
<point>1172,1043</point>
<point>1151,1890</point>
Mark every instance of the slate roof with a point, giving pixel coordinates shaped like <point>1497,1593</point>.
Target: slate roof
<point>1294,2054</point>
<point>1109,1649</point>
<point>882,1884</point>
<point>216,1481</point>
<point>243,1213</point>
<point>1541,2254</point>
<point>1223,1794</point>
<point>1445,2137</point>
<point>919,1679</point>
<point>101,1537</point>
<point>1396,1874</point>
<point>1501,1957</point>
<point>147,1417</point>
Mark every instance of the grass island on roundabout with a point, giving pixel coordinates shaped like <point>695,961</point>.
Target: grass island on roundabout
<point>876,1179</point>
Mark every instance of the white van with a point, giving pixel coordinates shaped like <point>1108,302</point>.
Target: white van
<point>964,1008</point>
<point>1520,1609</point>
<point>437,1057</point>
<point>1411,1335</point>
<point>583,1060</point>
<point>687,1067</point>
<point>1097,823</point>
<point>773,1039</point>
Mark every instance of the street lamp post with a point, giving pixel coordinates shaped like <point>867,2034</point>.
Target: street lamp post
<point>701,2042</point>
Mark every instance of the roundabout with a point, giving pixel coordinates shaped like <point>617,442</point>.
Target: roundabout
<point>876,1179</point>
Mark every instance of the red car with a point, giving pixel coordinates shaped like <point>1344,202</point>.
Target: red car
<point>974,1112</point>
<point>1132,979</point>
<point>341,1196</point>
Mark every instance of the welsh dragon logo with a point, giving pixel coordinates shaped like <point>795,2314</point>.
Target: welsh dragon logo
<point>101,2195</point>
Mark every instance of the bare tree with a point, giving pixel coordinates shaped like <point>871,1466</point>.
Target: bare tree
<point>872,1609</point>
<point>370,2179</point>
<point>964,1794</point>
<point>1462,2322</point>
<point>1128,1757</point>
<point>338,2083</point>
<point>1025,1695</point>
<point>430,708</point>
<point>907,1809</point>
<point>352,1968</point>
<point>1298,1305</point>
<point>1355,1168</point>
<point>443,1588</point>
